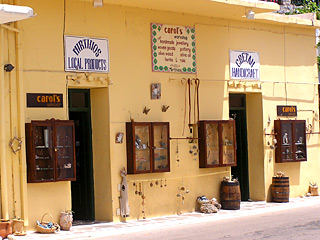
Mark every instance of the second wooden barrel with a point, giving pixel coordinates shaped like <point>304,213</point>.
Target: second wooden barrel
<point>280,189</point>
<point>230,196</point>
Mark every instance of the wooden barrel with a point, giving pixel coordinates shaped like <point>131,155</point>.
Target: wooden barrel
<point>280,189</point>
<point>230,196</point>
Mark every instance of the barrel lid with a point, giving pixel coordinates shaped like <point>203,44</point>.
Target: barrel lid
<point>280,177</point>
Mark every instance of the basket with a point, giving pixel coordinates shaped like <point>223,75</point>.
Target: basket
<point>43,227</point>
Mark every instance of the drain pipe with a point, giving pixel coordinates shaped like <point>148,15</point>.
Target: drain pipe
<point>21,129</point>
<point>3,144</point>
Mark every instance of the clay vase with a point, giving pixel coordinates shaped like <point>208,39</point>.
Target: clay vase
<point>66,219</point>
<point>5,228</point>
<point>17,226</point>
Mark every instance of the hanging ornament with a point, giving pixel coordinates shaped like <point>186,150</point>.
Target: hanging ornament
<point>140,191</point>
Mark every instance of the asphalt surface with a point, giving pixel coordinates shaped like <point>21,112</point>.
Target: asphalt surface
<point>296,224</point>
<point>298,219</point>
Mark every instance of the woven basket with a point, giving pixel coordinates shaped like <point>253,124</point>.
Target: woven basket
<point>55,227</point>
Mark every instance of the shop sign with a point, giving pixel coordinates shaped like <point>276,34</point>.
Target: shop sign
<point>173,48</point>
<point>244,65</point>
<point>83,54</point>
<point>48,100</point>
<point>289,111</point>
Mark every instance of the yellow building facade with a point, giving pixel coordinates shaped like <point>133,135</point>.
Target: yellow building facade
<point>288,76</point>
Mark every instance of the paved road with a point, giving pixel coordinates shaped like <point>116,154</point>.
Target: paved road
<point>294,224</point>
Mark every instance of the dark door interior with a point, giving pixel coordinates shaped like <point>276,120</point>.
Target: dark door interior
<point>82,189</point>
<point>237,111</point>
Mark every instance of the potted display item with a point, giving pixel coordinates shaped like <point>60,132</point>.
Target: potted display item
<point>5,228</point>
<point>17,227</point>
<point>66,219</point>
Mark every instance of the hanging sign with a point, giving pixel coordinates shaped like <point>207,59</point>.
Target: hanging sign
<point>173,48</point>
<point>244,65</point>
<point>289,111</point>
<point>49,100</point>
<point>83,54</point>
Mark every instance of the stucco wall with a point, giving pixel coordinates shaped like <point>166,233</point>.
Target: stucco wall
<point>286,54</point>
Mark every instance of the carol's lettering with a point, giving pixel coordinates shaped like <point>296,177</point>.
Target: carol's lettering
<point>172,30</point>
<point>49,99</point>
<point>289,109</point>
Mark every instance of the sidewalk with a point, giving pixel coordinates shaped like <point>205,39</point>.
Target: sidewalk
<point>93,231</point>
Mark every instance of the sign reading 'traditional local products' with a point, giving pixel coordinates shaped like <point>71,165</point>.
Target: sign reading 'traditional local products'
<point>83,54</point>
<point>173,48</point>
<point>244,65</point>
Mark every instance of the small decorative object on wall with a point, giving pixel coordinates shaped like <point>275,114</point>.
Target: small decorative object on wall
<point>164,108</point>
<point>146,110</point>
<point>119,137</point>
<point>156,91</point>
<point>15,144</point>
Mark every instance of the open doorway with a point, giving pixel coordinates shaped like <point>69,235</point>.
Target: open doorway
<point>237,111</point>
<point>82,189</point>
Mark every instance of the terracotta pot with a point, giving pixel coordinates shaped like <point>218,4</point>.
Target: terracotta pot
<point>17,226</point>
<point>5,228</point>
<point>66,219</point>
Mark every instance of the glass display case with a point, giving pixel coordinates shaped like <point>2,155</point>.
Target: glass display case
<point>50,151</point>
<point>217,145</point>
<point>291,140</point>
<point>147,147</point>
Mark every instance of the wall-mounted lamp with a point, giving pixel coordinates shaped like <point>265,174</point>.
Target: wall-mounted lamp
<point>250,14</point>
<point>8,67</point>
<point>97,3</point>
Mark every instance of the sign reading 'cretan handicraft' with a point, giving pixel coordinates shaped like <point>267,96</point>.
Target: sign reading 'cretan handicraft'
<point>173,48</point>
<point>244,65</point>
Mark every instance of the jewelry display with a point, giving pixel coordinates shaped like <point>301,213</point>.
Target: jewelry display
<point>217,143</point>
<point>51,144</point>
